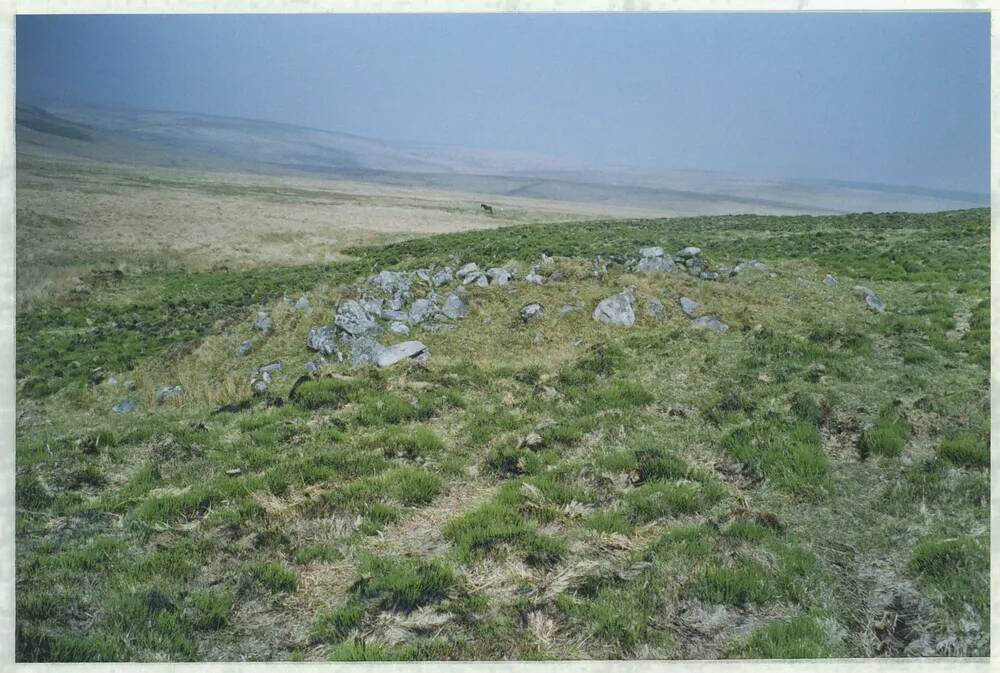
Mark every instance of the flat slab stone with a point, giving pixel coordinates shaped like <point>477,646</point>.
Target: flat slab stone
<point>709,322</point>
<point>689,306</point>
<point>618,309</point>
<point>399,352</point>
<point>655,251</point>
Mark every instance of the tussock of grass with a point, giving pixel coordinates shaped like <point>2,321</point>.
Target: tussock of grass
<point>798,638</point>
<point>966,450</point>
<point>404,584</point>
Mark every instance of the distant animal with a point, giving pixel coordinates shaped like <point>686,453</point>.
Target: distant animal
<point>488,208</point>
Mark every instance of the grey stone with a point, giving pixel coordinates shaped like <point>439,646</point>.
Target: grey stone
<point>498,275</point>
<point>364,349</point>
<point>655,310</point>
<point>244,347</point>
<point>656,251</point>
<point>725,271</point>
<point>534,278</point>
<point>708,275</point>
<point>371,305</point>
<point>466,269</point>
<point>830,281</point>
<point>482,281</point>
<point>618,309</point>
<point>396,303</point>
<point>442,276</point>
<point>557,276</point>
<point>709,322</point>
<point>322,339</point>
<point>259,386</point>
<point>532,312</point>
<point>353,319</point>
<point>688,252</point>
<point>288,300</point>
<point>424,275</point>
<point>396,315</point>
<point>568,308</point>
<point>454,307</point>
<point>398,328</point>
<point>124,407</point>
<point>315,364</point>
<point>391,282</point>
<point>302,304</point>
<point>689,306</point>
<point>421,310</point>
<point>655,265</point>
<point>871,299</point>
<point>401,351</point>
<point>772,275</point>
<point>168,392</point>
<point>752,265</point>
<point>129,384</point>
<point>271,367</point>
<point>263,322</point>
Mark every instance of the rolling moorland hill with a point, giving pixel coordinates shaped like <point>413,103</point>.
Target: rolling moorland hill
<point>577,461</point>
<point>54,129</point>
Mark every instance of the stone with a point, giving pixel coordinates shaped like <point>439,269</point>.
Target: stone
<point>353,319</point>
<point>424,275</point>
<point>708,275</point>
<point>259,386</point>
<point>125,406</point>
<point>498,275</point>
<point>830,281</point>
<point>391,282</point>
<point>533,277</point>
<point>689,306</point>
<point>656,251</point>
<point>129,384</point>
<point>322,339</point>
<point>371,305</point>
<point>871,299</point>
<point>547,261</point>
<point>689,252</point>
<point>271,367</point>
<point>168,392</point>
<point>655,265</point>
<point>315,364</point>
<point>454,307</point>
<point>422,310</point>
<point>263,322</point>
<point>400,316</point>
<point>234,472</point>
<point>302,304</point>
<point>618,309</point>
<point>288,300</point>
<point>557,276</point>
<point>568,308</point>
<point>442,276</point>
<point>466,269</point>
<point>399,352</point>
<point>725,271</point>
<point>364,349</point>
<point>396,303</point>
<point>754,265</point>
<point>772,275</point>
<point>244,347</point>
<point>709,322</point>
<point>398,328</point>
<point>655,310</point>
<point>533,440</point>
<point>472,277</point>
<point>532,312</point>
<point>482,281</point>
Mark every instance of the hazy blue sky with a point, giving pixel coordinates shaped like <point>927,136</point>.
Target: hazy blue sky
<point>893,98</point>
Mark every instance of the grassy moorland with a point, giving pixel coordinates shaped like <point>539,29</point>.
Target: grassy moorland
<point>811,483</point>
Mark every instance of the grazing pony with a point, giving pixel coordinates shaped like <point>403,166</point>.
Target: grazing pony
<point>487,208</point>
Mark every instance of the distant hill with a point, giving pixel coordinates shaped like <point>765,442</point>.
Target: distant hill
<point>205,142</point>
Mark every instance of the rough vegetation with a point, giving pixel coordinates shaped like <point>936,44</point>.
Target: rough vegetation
<point>811,481</point>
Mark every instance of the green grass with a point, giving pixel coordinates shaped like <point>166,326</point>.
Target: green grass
<point>669,469</point>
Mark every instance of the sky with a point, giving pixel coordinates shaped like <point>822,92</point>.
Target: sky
<point>893,98</point>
